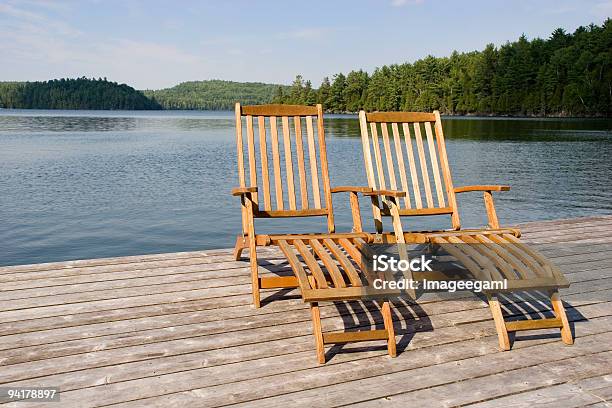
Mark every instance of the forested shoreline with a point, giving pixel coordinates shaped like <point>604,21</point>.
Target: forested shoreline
<point>568,74</point>
<point>214,94</point>
<point>564,75</point>
<point>79,93</point>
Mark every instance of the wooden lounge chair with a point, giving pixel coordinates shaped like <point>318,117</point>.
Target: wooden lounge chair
<point>492,253</point>
<point>331,267</point>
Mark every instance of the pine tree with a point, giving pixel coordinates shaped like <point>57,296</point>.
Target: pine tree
<point>308,94</point>
<point>279,95</point>
<point>296,94</point>
<point>354,91</point>
<point>323,92</point>
<point>335,101</point>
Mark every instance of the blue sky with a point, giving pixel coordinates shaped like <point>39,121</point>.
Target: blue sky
<point>154,44</point>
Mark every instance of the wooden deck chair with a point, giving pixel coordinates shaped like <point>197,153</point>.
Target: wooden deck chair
<point>288,177</point>
<point>492,253</point>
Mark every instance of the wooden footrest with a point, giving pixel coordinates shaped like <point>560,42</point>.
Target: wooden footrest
<point>534,324</point>
<point>349,337</point>
<point>501,257</point>
<point>278,282</point>
<point>334,269</point>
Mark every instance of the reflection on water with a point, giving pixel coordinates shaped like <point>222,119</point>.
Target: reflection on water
<point>501,128</point>
<point>91,184</point>
<point>26,122</point>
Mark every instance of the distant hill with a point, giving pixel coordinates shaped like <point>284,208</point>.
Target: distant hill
<point>80,93</point>
<point>214,94</point>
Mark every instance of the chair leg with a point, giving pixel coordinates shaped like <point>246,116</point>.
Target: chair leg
<point>387,318</point>
<point>254,273</point>
<point>317,331</point>
<point>500,324</point>
<point>255,283</point>
<point>559,310</point>
<point>241,243</point>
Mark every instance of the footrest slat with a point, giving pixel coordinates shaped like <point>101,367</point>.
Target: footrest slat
<point>278,282</point>
<point>534,324</point>
<point>349,337</point>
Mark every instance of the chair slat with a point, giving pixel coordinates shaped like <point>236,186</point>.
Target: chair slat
<point>279,110</point>
<point>390,117</point>
<point>388,156</point>
<point>240,148</point>
<point>331,227</point>
<point>312,158</point>
<point>489,253</point>
<point>400,162</point>
<point>485,263</point>
<point>434,164</point>
<point>448,181</point>
<point>299,146</point>
<point>365,141</point>
<point>263,151</point>
<point>518,250</point>
<point>352,252</point>
<point>367,252</point>
<point>505,255</point>
<point>377,156</point>
<point>251,149</point>
<point>289,163</point>
<point>329,263</point>
<point>412,164</point>
<point>346,263</point>
<point>516,263</point>
<point>295,263</point>
<point>423,162</point>
<point>311,262</point>
<point>466,260</point>
<point>369,165</point>
<point>278,183</point>
<point>538,257</point>
<point>352,249</point>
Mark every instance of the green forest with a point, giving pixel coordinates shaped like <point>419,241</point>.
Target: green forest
<point>566,75</point>
<point>214,94</point>
<point>80,93</point>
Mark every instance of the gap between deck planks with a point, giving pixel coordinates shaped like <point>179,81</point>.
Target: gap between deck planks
<point>165,340</point>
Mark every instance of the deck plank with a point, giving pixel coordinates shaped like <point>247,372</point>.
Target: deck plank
<point>312,387</point>
<point>585,392</point>
<point>504,384</point>
<point>178,328</point>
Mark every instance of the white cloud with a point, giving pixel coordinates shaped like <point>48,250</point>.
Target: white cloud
<point>37,46</point>
<point>309,33</point>
<point>401,3</point>
<point>15,12</point>
<point>41,42</point>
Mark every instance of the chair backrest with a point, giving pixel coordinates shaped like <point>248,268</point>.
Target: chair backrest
<point>277,157</point>
<point>393,164</point>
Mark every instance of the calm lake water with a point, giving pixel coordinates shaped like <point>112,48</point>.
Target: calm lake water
<point>85,184</point>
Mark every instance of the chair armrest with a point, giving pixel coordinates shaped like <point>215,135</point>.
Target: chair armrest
<point>390,193</point>
<point>466,189</point>
<point>243,190</point>
<point>351,189</point>
<point>354,200</point>
<point>488,200</point>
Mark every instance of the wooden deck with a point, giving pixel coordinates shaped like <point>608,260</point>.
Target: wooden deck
<point>178,330</point>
